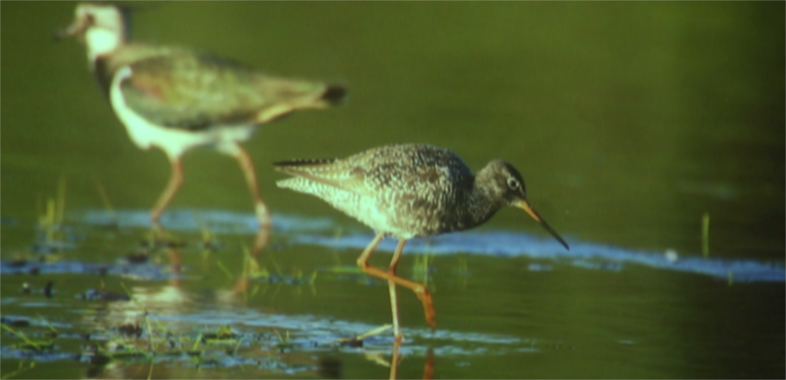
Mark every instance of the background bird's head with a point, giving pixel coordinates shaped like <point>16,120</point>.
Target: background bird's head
<point>102,27</point>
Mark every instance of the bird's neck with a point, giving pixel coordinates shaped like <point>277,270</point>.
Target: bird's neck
<point>101,42</point>
<point>482,203</point>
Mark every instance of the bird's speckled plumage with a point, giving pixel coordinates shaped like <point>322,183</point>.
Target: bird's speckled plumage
<point>408,190</point>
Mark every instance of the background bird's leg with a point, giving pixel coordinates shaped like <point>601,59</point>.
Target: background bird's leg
<point>175,180</point>
<point>247,166</point>
<point>420,290</point>
<point>392,289</point>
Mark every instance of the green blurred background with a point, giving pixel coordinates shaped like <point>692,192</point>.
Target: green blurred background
<point>628,121</point>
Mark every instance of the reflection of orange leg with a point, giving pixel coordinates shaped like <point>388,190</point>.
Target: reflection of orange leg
<point>428,368</point>
<point>420,290</point>
<point>175,180</point>
<point>394,360</point>
<point>176,262</point>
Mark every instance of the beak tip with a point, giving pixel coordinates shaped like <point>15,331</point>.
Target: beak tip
<point>60,34</point>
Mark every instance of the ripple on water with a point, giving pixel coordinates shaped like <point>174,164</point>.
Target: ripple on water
<point>317,333</point>
<point>319,231</point>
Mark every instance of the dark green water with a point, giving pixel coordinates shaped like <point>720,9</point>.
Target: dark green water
<point>628,121</point>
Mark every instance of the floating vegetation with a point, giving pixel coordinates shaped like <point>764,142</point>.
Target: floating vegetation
<point>103,295</point>
<point>705,234</point>
<point>112,222</point>
<point>48,289</point>
<point>137,257</point>
<point>422,267</point>
<point>52,237</point>
<point>209,240</point>
<point>29,344</point>
<point>284,343</point>
<point>156,240</point>
<point>21,368</point>
<point>357,341</point>
<point>130,329</point>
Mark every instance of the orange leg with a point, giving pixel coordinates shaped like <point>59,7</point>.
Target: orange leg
<point>175,180</point>
<point>247,166</point>
<point>420,290</point>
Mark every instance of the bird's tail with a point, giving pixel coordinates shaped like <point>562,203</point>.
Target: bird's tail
<point>283,165</point>
<point>305,172</point>
<point>298,96</point>
<point>334,94</point>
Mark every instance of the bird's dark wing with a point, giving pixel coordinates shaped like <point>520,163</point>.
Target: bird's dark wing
<point>193,91</point>
<point>420,169</point>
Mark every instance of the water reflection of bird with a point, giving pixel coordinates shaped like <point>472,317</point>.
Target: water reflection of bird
<point>177,99</point>
<point>407,191</point>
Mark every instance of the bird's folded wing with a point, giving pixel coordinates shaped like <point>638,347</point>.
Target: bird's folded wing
<point>195,91</point>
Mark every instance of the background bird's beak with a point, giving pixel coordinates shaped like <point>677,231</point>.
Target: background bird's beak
<point>524,205</point>
<point>72,30</point>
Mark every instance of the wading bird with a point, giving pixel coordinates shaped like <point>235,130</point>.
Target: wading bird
<point>177,99</point>
<point>408,191</point>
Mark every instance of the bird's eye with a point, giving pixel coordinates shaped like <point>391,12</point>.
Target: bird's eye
<point>90,19</point>
<point>513,184</point>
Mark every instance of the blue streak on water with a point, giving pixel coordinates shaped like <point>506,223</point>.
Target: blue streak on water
<point>588,255</point>
<point>494,243</point>
<point>138,271</point>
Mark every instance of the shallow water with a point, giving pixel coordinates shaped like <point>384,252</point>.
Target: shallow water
<point>628,121</point>
<point>501,297</point>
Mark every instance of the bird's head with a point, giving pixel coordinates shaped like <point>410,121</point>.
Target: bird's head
<point>505,184</point>
<point>102,27</point>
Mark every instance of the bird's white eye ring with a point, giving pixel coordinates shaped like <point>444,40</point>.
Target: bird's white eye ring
<point>513,184</point>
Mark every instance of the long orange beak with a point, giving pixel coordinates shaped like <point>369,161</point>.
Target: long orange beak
<point>524,205</point>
